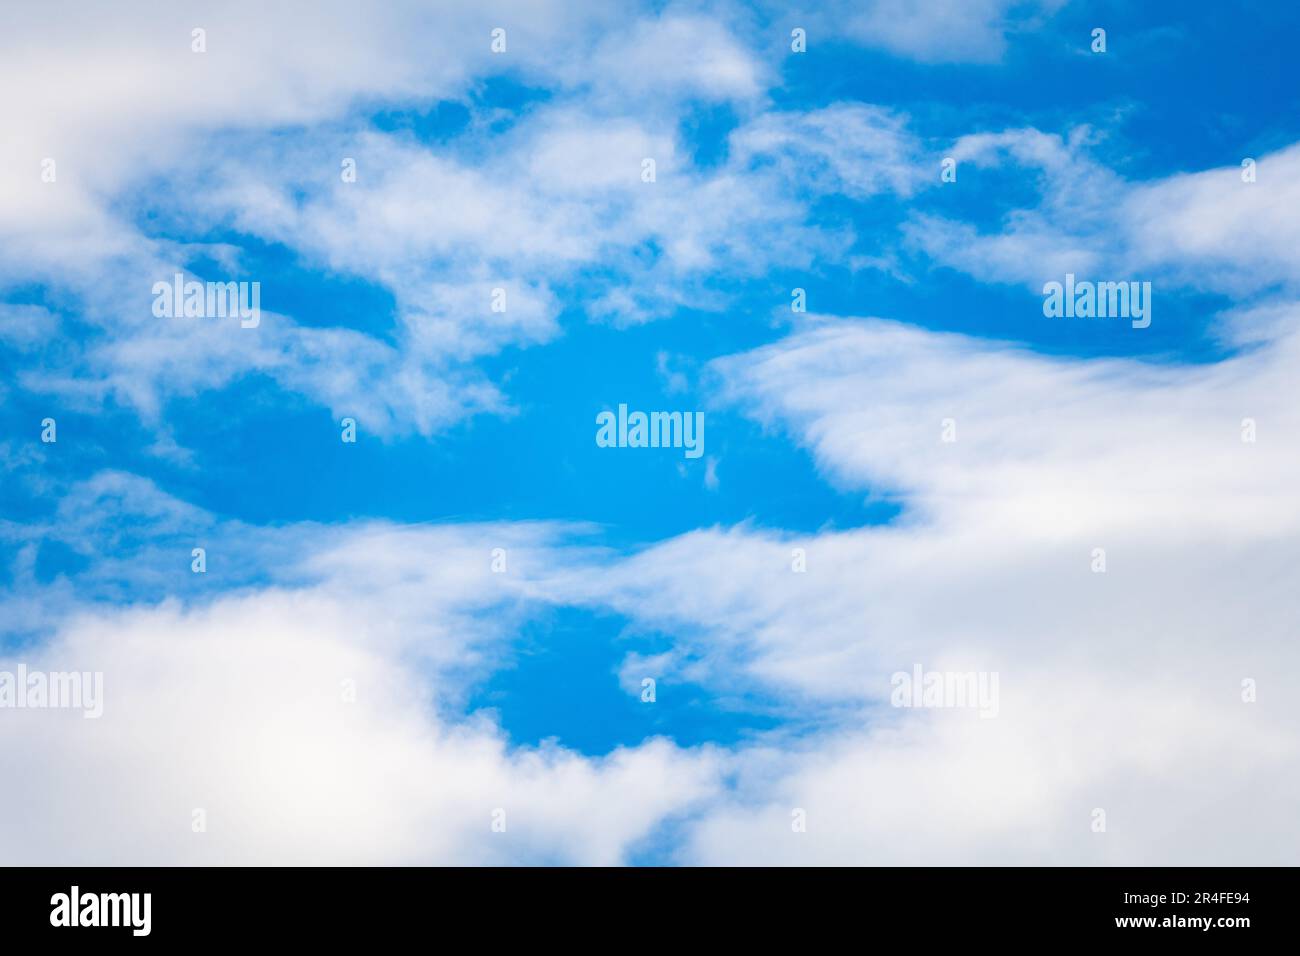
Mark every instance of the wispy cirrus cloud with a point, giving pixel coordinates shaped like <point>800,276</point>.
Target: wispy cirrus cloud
<point>1222,230</point>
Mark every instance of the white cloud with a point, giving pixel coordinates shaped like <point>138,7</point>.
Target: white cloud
<point>677,54</point>
<point>1207,230</point>
<point>1108,444</point>
<point>135,120</point>
<point>233,700</point>
<point>846,148</point>
<point>1218,232</point>
<point>931,31</point>
<point>26,327</point>
<point>442,230</point>
<point>1119,690</point>
<point>238,710</point>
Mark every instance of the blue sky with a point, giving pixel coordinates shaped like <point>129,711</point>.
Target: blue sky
<point>776,170</point>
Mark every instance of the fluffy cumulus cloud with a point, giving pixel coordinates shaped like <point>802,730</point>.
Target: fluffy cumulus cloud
<point>312,715</point>
<point>244,711</point>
